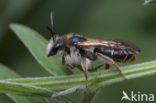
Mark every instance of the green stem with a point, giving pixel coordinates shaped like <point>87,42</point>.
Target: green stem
<point>96,79</point>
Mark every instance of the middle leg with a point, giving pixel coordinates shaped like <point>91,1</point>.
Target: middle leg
<point>85,65</point>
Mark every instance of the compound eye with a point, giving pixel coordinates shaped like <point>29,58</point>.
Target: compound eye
<point>59,44</point>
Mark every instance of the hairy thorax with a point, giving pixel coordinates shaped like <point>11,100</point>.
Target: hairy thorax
<point>74,57</point>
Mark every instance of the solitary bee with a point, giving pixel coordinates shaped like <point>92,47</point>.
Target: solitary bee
<point>79,50</point>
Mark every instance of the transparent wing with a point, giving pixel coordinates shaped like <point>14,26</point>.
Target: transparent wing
<point>114,44</point>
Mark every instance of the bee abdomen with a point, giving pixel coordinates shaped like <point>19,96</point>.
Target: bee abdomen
<point>117,55</point>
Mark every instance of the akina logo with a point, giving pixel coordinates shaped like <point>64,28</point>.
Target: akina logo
<point>137,96</point>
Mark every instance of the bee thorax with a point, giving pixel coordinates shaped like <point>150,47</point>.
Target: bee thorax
<point>75,57</point>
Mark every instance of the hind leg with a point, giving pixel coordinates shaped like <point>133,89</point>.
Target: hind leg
<point>111,62</point>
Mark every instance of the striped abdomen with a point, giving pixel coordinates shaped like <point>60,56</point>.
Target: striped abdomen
<point>117,54</point>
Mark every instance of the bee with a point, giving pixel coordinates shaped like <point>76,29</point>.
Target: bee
<point>79,50</point>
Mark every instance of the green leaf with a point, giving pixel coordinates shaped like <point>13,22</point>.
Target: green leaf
<point>23,99</point>
<point>59,83</point>
<point>6,73</point>
<point>150,2</point>
<point>37,46</point>
<point>16,88</point>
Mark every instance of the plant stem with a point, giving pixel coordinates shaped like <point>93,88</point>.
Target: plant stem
<point>96,79</point>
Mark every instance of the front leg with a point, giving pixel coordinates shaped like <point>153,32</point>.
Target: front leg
<point>63,61</point>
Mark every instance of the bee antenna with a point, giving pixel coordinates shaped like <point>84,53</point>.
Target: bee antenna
<point>52,29</point>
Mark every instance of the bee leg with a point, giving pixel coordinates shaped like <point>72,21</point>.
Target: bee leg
<point>63,60</point>
<point>85,69</point>
<point>95,68</point>
<point>111,62</point>
<point>107,66</point>
<point>79,67</point>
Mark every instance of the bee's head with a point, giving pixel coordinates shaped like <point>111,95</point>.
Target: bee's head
<point>55,47</point>
<point>56,43</point>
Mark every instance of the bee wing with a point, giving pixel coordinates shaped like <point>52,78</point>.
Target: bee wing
<point>115,44</point>
<point>128,45</point>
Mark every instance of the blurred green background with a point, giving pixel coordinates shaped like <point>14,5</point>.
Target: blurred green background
<point>117,19</point>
